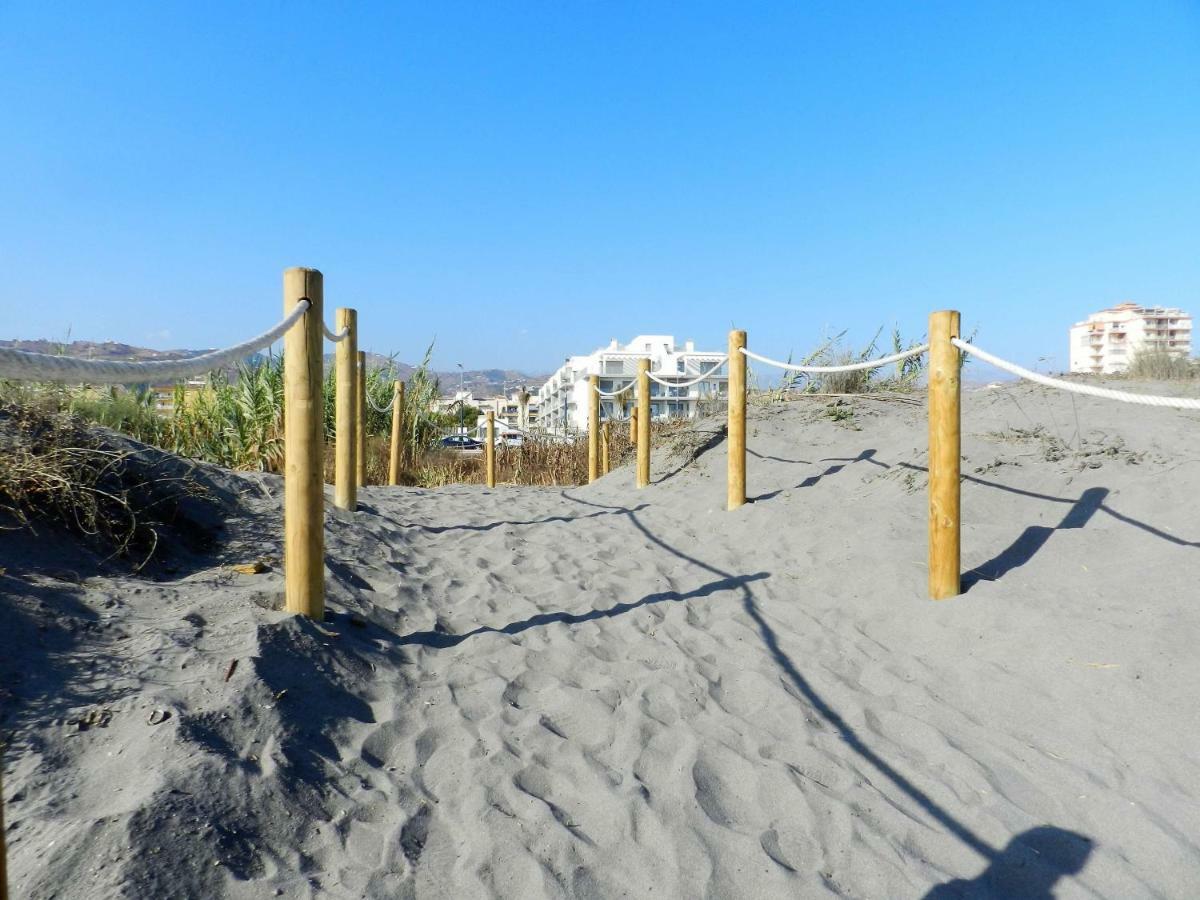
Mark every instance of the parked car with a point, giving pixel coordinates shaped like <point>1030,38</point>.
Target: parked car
<point>463,443</point>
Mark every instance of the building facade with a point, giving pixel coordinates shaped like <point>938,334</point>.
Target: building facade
<point>517,410</point>
<point>164,394</point>
<point>1105,343</point>
<point>563,399</point>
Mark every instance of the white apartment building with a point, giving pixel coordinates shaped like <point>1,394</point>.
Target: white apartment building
<point>1105,343</point>
<point>518,412</point>
<point>563,399</point>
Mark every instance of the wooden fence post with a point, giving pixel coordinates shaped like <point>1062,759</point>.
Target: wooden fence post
<point>397,437</point>
<point>304,448</point>
<point>643,424</point>
<point>593,428</point>
<point>736,437</point>
<point>633,427</point>
<point>945,451</point>
<point>489,451</point>
<point>361,443</point>
<point>606,445</point>
<point>345,483</point>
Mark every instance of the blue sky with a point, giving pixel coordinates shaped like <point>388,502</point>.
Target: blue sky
<point>528,180</point>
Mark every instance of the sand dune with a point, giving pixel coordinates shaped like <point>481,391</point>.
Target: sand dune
<point>602,692</point>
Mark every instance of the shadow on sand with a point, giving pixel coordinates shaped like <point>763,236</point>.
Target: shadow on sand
<point>1031,540</point>
<point>490,526</point>
<point>1034,538</point>
<point>803,689</point>
<point>1005,867</point>
<point>811,480</point>
<point>1029,867</point>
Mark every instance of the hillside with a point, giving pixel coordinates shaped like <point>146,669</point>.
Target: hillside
<point>481,382</point>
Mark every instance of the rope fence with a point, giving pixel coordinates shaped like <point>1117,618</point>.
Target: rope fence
<point>1087,390</point>
<point>945,349</point>
<point>302,328</point>
<point>608,395</point>
<point>682,384</point>
<point>849,367</point>
<point>381,409</point>
<point>21,365</point>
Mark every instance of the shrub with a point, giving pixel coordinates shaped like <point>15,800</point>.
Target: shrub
<point>1160,365</point>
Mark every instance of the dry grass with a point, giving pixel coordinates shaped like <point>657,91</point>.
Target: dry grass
<point>1159,365</point>
<point>902,376</point>
<point>537,462</point>
<point>56,471</point>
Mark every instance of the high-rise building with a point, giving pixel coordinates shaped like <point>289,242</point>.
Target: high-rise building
<point>1105,343</point>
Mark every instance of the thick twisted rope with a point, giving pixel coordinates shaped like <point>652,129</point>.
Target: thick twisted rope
<point>850,367</point>
<point>610,394</point>
<point>683,384</point>
<point>385,409</point>
<point>336,336</point>
<point>1087,389</point>
<point>23,366</point>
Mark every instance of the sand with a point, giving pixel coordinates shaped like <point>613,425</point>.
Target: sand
<point>603,692</point>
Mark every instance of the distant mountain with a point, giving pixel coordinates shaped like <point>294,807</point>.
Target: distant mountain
<point>480,382</point>
<point>105,350</point>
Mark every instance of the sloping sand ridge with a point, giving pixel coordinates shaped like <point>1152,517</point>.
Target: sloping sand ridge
<point>604,692</point>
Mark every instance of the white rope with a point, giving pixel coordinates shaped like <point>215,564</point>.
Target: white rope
<point>385,409</point>
<point>618,393</point>
<point>683,384</point>
<point>1088,389</point>
<point>24,366</point>
<point>851,367</point>
<point>336,337</point>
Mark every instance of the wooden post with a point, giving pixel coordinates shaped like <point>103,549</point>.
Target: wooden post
<point>593,428</point>
<point>345,490</point>
<point>736,437</point>
<point>633,427</point>
<point>606,445</point>
<point>397,437</point>
<point>643,423</point>
<point>945,451</point>
<point>489,451</point>
<point>304,446</point>
<point>361,442</point>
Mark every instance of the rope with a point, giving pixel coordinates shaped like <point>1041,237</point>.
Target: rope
<point>24,366</point>
<point>617,393</point>
<point>385,409</point>
<point>683,384</point>
<point>1088,389</point>
<point>336,337</point>
<point>851,367</point>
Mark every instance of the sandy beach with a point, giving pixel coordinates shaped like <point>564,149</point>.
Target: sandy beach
<point>600,692</point>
